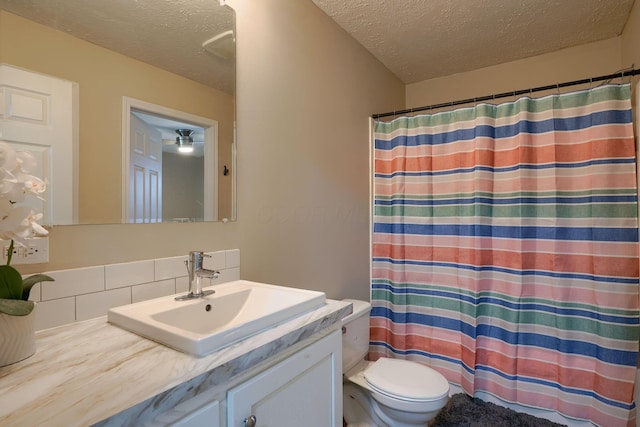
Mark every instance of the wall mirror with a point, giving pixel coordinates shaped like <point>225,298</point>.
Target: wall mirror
<point>176,55</point>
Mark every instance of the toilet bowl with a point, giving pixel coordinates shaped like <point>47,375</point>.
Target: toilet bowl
<point>386,392</point>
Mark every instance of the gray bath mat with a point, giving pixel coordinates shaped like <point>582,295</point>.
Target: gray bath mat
<point>464,411</point>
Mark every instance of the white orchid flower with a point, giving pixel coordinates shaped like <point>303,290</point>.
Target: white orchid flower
<point>8,183</point>
<point>25,161</point>
<point>12,189</point>
<point>37,229</point>
<point>30,184</point>
<point>5,208</point>
<point>15,224</point>
<point>18,221</point>
<point>8,158</point>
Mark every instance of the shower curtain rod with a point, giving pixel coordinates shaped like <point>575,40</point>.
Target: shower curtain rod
<point>620,74</point>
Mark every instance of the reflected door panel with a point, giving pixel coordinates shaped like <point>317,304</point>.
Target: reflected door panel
<point>137,193</point>
<point>37,114</point>
<point>145,204</point>
<point>155,197</point>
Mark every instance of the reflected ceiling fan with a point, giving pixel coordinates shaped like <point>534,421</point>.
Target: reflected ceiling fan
<point>184,140</point>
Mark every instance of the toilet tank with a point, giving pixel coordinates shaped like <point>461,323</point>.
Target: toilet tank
<point>355,334</point>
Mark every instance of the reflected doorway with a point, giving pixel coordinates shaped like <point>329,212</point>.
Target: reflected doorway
<point>162,182</point>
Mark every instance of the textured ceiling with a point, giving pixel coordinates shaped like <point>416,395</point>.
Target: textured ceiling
<point>415,39</point>
<point>423,39</point>
<point>165,33</point>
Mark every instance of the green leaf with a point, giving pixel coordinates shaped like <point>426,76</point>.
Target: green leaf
<point>10,283</point>
<point>28,283</point>
<point>16,307</point>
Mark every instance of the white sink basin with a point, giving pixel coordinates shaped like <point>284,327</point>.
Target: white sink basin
<point>235,311</point>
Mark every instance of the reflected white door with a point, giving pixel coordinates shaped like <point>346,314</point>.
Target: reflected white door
<point>145,163</point>
<point>38,113</point>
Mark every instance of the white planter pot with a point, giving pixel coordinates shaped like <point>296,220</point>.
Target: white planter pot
<point>17,338</point>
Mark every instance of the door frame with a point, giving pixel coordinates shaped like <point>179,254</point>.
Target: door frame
<point>210,151</point>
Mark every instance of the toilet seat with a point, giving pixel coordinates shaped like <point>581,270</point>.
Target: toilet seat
<point>405,380</point>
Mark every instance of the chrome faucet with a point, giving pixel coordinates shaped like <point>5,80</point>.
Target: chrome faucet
<point>196,274</point>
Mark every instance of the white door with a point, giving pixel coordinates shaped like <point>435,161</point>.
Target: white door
<point>38,113</point>
<point>303,390</point>
<point>145,163</point>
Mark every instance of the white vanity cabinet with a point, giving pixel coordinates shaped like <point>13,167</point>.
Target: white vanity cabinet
<point>303,390</point>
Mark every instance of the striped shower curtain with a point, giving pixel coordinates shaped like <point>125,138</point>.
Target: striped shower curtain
<point>505,250</point>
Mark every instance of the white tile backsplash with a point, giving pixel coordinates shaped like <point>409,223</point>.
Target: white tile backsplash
<point>57,312</point>
<point>85,293</point>
<point>233,258</point>
<point>95,305</point>
<point>34,295</point>
<point>168,268</point>
<point>227,275</point>
<point>215,261</point>
<point>153,290</point>
<point>73,282</point>
<point>182,285</point>
<point>128,274</point>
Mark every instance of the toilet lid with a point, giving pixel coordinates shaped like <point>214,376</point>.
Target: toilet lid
<point>406,379</point>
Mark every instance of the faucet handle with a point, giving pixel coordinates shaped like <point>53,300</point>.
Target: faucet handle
<point>186,264</point>
<point>198,254</point>
<point>196,258</point>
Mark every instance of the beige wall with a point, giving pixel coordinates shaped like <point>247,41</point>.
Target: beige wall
<point>305,91</point>
<point>104,77</point>
<point>631,38</point>
<point>570,64</point>
<point>182,185</point>
<point>631,55</point>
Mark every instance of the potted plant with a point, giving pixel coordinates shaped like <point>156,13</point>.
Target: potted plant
<point>18,221</point>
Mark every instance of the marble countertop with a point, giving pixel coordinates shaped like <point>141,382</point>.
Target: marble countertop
<point>86,372</point>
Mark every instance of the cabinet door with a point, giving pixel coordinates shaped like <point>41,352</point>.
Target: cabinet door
<point>302,390</point>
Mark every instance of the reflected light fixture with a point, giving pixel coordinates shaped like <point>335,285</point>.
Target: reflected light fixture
<point>223,45</point>
<point>184,141</point>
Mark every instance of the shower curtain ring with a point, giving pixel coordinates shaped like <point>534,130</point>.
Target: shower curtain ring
<point>630,75</point>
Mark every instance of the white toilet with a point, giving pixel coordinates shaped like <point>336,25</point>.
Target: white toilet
<point>387,392</point>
